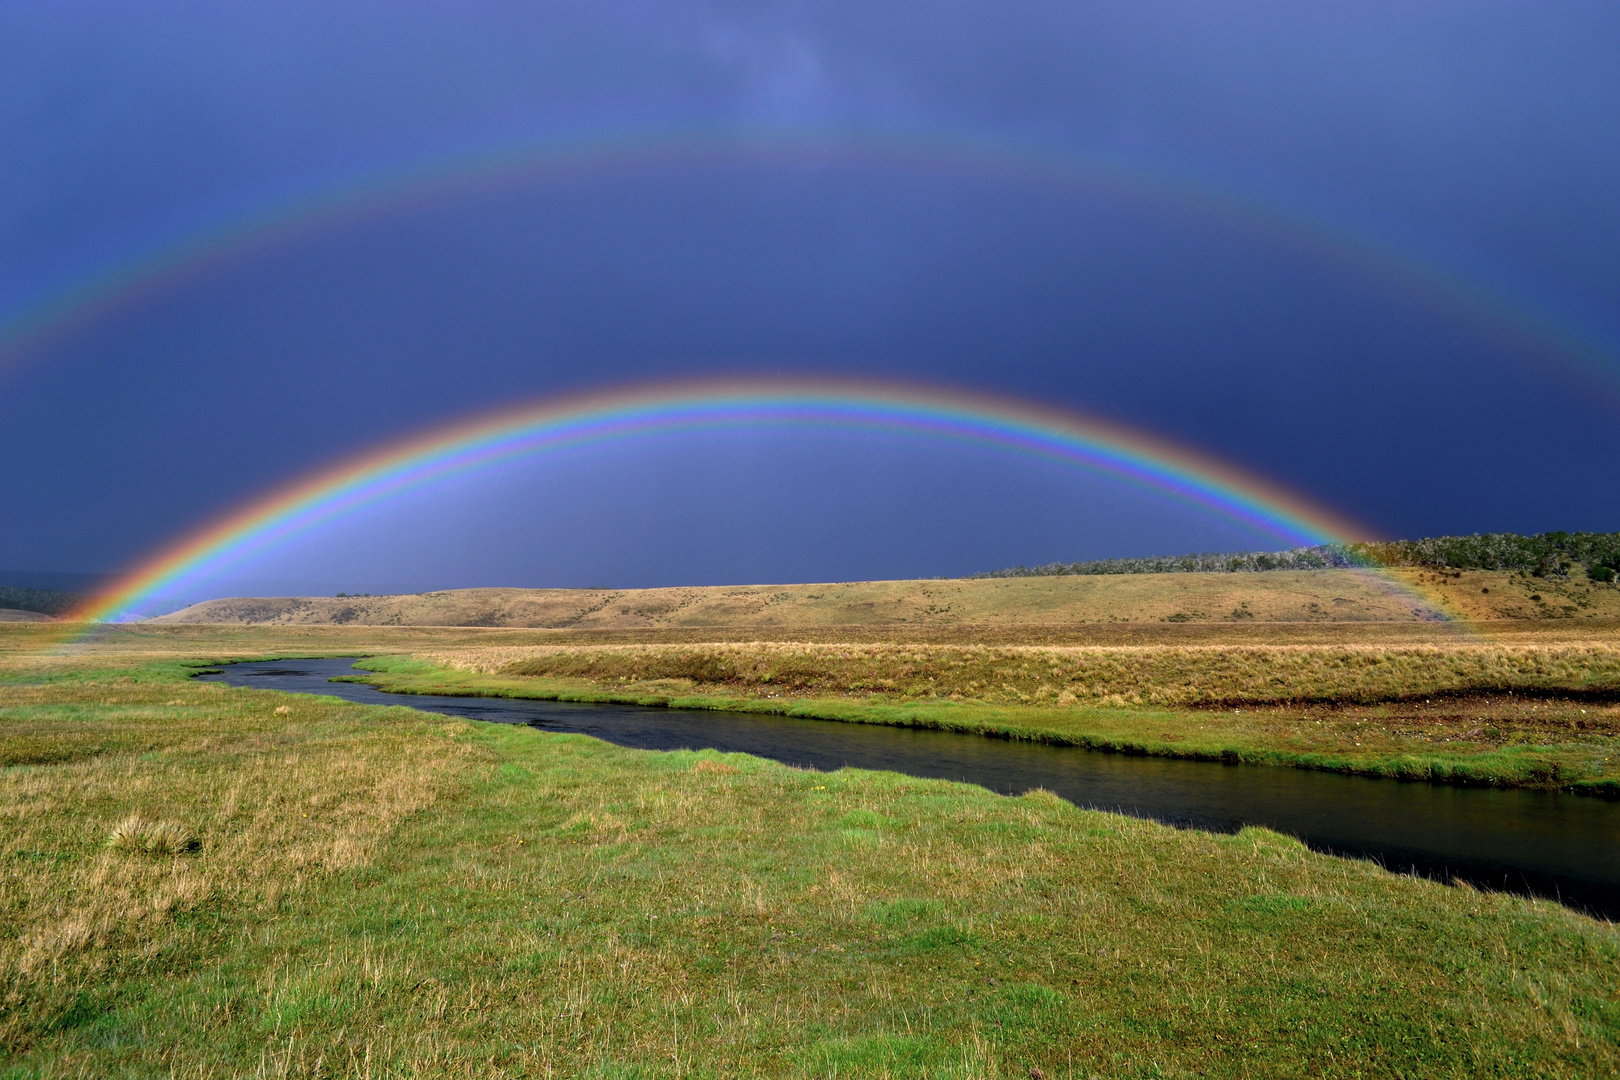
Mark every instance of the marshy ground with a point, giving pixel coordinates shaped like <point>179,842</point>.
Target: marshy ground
<point>1519,708</point>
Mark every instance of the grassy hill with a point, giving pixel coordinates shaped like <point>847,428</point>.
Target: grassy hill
<point>1407,594</point>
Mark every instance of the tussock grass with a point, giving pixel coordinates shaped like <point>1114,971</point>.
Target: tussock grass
<point>137,834</point>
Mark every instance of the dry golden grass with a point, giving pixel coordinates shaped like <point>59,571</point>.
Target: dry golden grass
<point>148,837</point>
<point>67,647</point>
<point>1107,675</point>
<point>1319,597</point>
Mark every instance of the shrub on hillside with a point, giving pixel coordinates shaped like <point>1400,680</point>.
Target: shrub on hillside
<point>43,601</point>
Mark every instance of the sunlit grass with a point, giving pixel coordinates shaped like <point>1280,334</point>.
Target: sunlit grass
<point>1116,675</point>
<point>139,834</point>
<point>1320,597</point>
<point>1463,712</point>
<point>377,891</point>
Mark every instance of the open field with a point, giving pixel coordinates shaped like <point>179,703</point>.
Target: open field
<point>1316,596</point>
<point>1534,703</point>
<point>1168,675</point>
<point>302,887</point>
<point>1460,676</point>
<point>1515,715</point>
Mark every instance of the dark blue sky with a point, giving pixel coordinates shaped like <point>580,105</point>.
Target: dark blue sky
<point>1339,157</point>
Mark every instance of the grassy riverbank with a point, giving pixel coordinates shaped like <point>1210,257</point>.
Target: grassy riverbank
<point>1515,715</point>
<point>383,892</point>
<point>1169,675</point>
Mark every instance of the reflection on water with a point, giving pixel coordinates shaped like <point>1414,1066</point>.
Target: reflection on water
<point>1548,843</point>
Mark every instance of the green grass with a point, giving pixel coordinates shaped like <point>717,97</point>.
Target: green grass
<point>1527,742</point>
<point>380,892</point>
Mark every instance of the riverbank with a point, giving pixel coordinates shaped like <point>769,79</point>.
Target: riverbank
<point>1551,733</point>
<point>1550,728</point>
<point>300,886</point>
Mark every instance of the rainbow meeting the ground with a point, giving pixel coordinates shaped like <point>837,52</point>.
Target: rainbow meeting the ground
<point>395,469</point>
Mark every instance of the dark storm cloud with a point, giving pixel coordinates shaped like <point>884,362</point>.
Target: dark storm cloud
<point>1388,107</point>
<point>1474,137</point>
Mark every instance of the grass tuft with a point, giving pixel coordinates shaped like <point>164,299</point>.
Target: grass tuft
<point>146,837</point>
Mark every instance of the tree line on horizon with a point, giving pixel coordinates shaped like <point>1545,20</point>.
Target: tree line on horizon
<point>39,601</point>
<point>1550,554</point>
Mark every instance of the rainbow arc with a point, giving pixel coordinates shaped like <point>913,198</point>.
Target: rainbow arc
<point>168,257</point>
<point>394,470</point>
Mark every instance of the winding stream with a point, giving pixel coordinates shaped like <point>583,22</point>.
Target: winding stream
<point>1545,843</point>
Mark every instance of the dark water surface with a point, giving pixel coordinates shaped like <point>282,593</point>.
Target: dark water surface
<point>1546,843</point>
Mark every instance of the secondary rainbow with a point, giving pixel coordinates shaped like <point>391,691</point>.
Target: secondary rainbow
<point>154,263</point>
<point>392,470</point>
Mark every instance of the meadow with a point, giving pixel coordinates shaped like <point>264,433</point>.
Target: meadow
<point>203,881</point>
<point>1538,713</point>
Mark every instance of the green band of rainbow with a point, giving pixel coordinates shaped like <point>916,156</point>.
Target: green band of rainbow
<point>390,471</point>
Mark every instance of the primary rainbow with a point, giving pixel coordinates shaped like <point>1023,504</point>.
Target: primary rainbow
<point>538,428</point>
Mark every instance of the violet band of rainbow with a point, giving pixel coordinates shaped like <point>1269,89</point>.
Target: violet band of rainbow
<point>440,454</point>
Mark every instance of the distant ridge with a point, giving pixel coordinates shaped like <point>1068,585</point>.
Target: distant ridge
<point>1320,596</point>
<point>1551,554</point>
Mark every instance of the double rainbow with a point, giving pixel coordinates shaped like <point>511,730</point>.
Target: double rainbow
<point>395,469</point>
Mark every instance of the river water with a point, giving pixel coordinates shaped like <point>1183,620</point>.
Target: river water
<point>1545,843</point>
